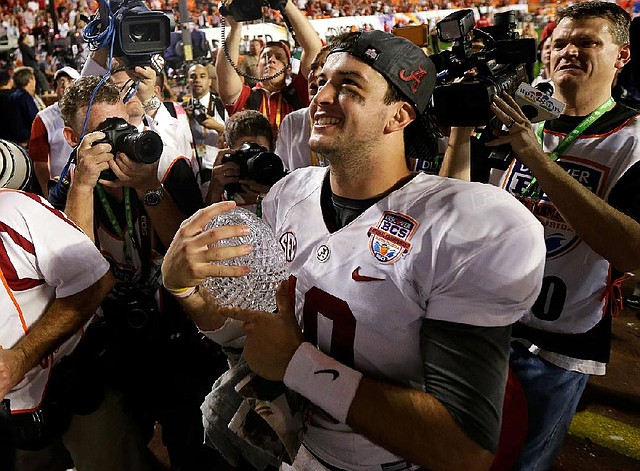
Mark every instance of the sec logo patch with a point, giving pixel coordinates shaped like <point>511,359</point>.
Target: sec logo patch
<point>289,245</point>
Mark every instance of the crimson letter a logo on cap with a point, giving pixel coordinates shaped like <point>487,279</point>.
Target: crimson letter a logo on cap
<point>415,76</point>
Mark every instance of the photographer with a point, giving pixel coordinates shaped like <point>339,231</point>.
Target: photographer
<point>579,175</point>
<point>206,116</point>
<point>248,126</point>
<point>277,97</point>
<point>132,211</point>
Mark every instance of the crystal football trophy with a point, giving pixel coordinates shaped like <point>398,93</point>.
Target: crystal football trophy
<point>266,261</point>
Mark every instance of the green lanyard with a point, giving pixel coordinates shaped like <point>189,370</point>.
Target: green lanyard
<point>114,222</point>
<point>571,137</point>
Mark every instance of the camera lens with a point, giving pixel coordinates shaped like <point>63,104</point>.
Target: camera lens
<point>149,147</point>
<point>265,168</point>
<point>143,32</point>
<point>144,147</point>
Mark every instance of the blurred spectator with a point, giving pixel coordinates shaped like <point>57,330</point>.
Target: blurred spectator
<point>23,105</point>
<point>30,59</point>
<point>544,57</point>
<point>6,89</point>
<point>249,64</point>
<point>47,146</point>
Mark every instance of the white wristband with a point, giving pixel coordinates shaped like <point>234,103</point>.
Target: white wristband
<point>324,381</point>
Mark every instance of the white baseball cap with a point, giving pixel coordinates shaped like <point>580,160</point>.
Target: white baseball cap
<point>68,71</point>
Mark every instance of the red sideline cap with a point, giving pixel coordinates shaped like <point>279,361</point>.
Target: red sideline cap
<point>400,61</point>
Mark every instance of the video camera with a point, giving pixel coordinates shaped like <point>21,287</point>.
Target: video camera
<point>482,62</point>
<point>256,163</point>
<point>139,32</point>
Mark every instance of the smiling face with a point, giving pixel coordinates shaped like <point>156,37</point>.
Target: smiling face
<point>348,111</point>
<point>584,55</point>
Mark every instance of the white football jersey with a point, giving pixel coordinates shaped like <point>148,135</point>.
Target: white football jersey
<point>43,256</point>
<point>436,248</point>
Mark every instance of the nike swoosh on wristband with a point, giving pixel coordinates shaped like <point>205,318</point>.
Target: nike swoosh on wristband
<point>334,373</point>
<point>358,277</point>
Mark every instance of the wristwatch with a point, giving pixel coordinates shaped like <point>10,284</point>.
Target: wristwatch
<point>153,197</point>
<point>152,104</point>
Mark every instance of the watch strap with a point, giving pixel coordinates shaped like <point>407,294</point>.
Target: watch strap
<point>152,104</point>
<point>153,197</point>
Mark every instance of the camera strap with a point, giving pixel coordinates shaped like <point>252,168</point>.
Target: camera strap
<point>569,138</point>
<point>114,221</point>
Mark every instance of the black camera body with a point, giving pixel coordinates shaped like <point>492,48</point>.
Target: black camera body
<point>130,310</point>
<point>256,163</point>
<point>249,10</point>
<point>143,147</point>
<point>464,99</point>
<point>140,33</point>
<point>199,111</point>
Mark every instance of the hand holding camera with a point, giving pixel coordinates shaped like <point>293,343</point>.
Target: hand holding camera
<point>134,147</point>
<point>222,174</point>
<point>255,163</point>
<point>93,159</point>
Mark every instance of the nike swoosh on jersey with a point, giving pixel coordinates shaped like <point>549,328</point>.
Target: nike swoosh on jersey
<point>334,373</point>
<point>358,277</point>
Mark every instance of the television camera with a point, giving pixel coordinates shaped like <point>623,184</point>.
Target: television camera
<point>138,33</point>
<point>482,62</point>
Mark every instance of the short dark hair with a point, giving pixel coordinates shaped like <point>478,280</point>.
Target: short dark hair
<point>78,96</point>
<point>22,76</point>
<point>247,123</point>
<point>619,19</point>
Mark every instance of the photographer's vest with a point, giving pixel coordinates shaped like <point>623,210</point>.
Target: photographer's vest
<point>571,320</point>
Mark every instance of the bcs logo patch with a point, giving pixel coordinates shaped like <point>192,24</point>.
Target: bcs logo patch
<point>389,240</point>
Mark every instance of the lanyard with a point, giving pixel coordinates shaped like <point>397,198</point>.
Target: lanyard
<point>571,137</point>
<point>266,104</point>
<point>114,222</point>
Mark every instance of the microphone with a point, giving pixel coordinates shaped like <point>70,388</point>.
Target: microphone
<point>537,103</point>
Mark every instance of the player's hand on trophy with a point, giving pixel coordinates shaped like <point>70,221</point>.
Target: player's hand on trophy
<point>272,339</point>
<point>193,254</point>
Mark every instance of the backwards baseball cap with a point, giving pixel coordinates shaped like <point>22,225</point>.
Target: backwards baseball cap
<point>400,61</point>
<point>68,71</point>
